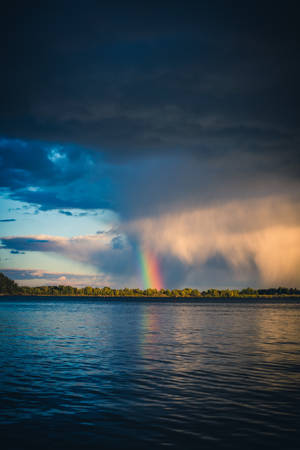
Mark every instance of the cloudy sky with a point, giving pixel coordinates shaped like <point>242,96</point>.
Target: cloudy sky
<point>170,130</point>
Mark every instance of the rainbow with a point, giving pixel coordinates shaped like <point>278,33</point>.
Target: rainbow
<point>150,270</point>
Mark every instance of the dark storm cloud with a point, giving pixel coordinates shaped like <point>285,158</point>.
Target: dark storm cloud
<point>136,78</point>
<point>213,87</point>
<point>7,220</point>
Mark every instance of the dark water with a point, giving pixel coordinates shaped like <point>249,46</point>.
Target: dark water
<point>96,374</point>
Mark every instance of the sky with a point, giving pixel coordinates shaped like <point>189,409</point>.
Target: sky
<point>143,131</point>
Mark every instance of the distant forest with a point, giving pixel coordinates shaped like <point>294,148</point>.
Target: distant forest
<point>9,287</point>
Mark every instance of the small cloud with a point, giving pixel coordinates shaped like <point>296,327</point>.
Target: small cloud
<point>117,243</point>
<point>63,278</point>
<point>66,213</point>
<point>37,241</point>
<point>7,220</point>
<point>90,213</point>
<point>37,273</point>
<point>33,188</point>
<point>55,155</point>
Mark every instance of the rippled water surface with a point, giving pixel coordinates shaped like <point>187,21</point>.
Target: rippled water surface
<point>90,373</point>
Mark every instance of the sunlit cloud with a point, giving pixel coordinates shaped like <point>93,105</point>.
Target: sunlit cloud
<point>262,235</point>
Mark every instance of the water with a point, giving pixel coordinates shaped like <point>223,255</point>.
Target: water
<point>91,374</point>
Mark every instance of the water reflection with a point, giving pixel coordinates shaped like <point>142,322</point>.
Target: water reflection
<point>96,374</point>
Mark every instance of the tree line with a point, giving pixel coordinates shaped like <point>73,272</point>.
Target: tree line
<point>8,286</point>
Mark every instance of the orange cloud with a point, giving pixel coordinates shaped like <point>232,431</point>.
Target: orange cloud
<point>264,232</point>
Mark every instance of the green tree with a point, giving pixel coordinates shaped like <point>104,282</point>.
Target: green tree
<point>8,286</point>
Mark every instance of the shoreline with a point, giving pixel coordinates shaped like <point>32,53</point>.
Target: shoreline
<point>140,297</point>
